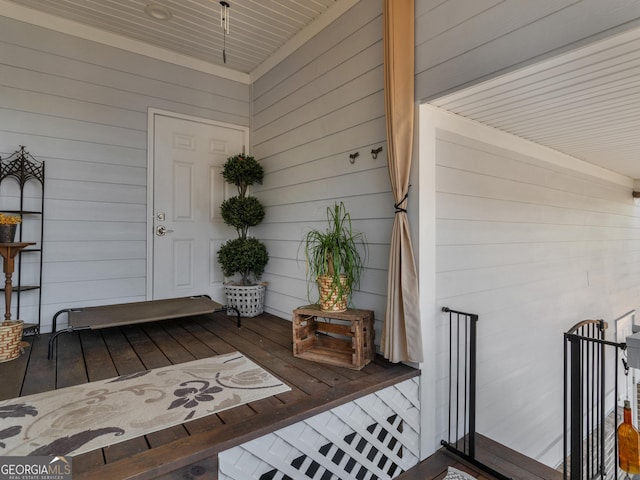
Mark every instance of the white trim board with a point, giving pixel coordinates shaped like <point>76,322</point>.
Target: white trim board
<point>445,120</point>
<point>426,259</point>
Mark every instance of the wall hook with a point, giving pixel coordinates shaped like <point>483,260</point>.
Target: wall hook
<point>353,156</point>
<point>375,152</point>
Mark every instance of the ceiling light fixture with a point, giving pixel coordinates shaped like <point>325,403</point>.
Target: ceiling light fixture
<point>224,23</point>
<point>157,11</point>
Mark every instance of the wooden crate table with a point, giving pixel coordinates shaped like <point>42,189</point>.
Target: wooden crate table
<point>345,339</point>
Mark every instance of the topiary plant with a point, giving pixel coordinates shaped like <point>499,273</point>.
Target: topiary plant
<point>244,255</point>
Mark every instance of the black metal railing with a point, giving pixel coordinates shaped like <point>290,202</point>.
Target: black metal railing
<point>590,396</point>
<point>461,428</point>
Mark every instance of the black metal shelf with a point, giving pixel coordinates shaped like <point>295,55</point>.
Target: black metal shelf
<point>23,212</point>
<point>22,288</point>
<point>22,167</point>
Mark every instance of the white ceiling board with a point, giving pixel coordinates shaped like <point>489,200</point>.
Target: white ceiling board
<point>258,28</point>
<point>585,103</point>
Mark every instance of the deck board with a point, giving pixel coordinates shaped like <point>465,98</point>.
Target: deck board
<point>89,461</point>
<point>39,375</point>
<point>122,353</point>
<point>267,340</point>
<point>510,462</point>
<point>70,371</point>
<point>11,384</point>
<point>190,342</point>
<point>97,359</point>
<point>147,351</point>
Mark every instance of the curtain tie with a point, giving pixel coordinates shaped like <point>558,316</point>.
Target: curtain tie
<point>397,206</point>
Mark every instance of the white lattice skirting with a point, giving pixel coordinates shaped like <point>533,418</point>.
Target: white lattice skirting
<point>374,437</point>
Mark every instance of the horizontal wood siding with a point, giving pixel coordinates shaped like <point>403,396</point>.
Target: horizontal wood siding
<point>322,103</point>
<point>82,108</point>
<point>461,42</point>
<point>533,249</point>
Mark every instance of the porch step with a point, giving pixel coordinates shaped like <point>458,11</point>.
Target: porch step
<point>493,454</point>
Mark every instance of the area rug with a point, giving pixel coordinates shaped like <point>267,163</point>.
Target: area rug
<point>78,419</point>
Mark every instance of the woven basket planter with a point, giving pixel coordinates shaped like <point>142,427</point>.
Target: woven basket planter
<point>248,299</point>
<point>10,338</point>
<point>329,299</point>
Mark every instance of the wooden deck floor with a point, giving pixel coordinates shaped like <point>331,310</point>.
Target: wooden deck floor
<point>183,451</point>
<point>190,451</point>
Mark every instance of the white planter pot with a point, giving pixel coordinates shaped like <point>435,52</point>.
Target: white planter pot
<point>249,299</point>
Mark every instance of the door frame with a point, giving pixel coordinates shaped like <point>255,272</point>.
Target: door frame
<point>151,116</point>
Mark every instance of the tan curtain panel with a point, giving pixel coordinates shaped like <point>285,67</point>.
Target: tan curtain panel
<point>401,335</point>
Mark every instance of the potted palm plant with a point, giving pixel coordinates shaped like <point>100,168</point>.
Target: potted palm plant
<point>244,257</point>
<point>335,259</point>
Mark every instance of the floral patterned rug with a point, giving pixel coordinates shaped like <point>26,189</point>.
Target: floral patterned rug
<point>74,420</point>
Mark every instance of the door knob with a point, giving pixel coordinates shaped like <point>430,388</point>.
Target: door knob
<point>161,231</point>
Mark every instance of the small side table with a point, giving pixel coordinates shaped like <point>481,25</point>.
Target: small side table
<point>347,342</point>
<point>9,252</point>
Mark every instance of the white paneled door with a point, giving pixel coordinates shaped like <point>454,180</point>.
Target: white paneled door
<point>188,188</point>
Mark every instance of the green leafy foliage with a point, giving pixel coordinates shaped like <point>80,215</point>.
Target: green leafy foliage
<point>242,171</point>
<point>336,251</point>
<point>244,255</point>
<point>242,213</point>
<point>247,256</point>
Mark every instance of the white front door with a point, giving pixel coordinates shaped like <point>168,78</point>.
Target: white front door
<point>188,188</point>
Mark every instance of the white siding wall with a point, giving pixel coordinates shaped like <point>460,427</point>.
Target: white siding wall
<point>532,248</point>
<point>326,100</point>
<point>82,108</point>
<point>322,103</point>
<point>463,41</point>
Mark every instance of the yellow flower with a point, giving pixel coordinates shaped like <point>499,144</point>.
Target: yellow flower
<point>6,219</point>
